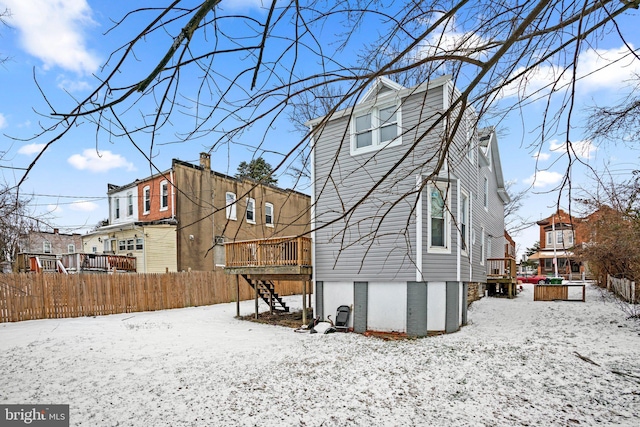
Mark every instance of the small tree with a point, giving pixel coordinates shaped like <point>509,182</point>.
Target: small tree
<point>258,170</point>
<point>528,252</point>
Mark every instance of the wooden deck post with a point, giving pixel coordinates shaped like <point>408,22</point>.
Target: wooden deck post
<point>237,295</point>
<point>304,302</point>
<point>256,315</point>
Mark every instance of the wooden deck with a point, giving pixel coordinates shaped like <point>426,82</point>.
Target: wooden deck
<point>285,258</point>
<point>75,263</point>
<point>260,262</point>
<point>501,277</point>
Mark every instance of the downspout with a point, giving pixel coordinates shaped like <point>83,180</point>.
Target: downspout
<point>313,211</point>
<point>419,242</point>
<point>173,196</point>
<point>459,239</point>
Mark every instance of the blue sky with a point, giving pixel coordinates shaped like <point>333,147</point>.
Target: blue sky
<point>63,44</point>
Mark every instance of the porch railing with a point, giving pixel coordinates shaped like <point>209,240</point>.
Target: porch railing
<point>501,268</point>
<point>98,262</point>
<point>283,251</point>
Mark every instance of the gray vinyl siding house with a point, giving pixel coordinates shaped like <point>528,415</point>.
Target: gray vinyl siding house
<point>393,241</point>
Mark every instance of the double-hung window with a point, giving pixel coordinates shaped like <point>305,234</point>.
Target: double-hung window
<point>164,195</point>
<point>147,199</point>
<point>464,220</point>
<point>438,219</point>
<point>46,247</point>
<point>251,211</point>
<point>375,128</point>
<point>230,200</point>
<point>129,203</point>
<point>116,208</point>
<point>268,214</point>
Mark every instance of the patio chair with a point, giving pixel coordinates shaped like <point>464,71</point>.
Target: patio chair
<point>342,318</point>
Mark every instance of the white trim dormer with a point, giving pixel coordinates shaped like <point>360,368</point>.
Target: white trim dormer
<point>381,85</point>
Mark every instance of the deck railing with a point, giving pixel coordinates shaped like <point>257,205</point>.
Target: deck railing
<point>283,251</point>
<point>98,262</point>
<point>501,268</point>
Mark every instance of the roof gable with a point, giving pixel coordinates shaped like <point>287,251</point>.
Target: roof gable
<point>382,86</point>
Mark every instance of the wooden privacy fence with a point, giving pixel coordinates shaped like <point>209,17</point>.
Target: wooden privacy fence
<point>624,288</point>
<point>28,296</point>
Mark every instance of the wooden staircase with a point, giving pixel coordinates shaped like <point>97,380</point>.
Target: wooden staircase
<point>266,291</point>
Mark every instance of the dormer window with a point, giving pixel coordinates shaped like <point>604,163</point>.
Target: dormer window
<point>375,128</point>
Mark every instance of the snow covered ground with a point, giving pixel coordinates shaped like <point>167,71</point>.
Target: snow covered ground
<point>515,364</point>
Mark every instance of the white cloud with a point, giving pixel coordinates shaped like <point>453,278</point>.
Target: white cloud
<point>72,85</point>
<point>542,156</point>
<point>53,32</point>
<point>597,69</point>
<point>446,39</point>
<point>31,149</point>
<point>544,179</point>
<point>3,121</point>
<point>582,149</point>
<point>83,206</point>
<point>102,161</point>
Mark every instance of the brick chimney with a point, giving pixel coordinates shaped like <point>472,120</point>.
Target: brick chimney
<point>56,231</point>
<point>205,161</point>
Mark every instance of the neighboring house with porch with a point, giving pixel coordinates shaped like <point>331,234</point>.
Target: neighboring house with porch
<point>141,225</point>
<point>213,209</point>
<point>401,251</point>
<point>180,219</point>
<point>560,233</point>
<point>45,247</point>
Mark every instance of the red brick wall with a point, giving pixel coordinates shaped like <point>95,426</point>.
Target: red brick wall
<point>155,197</point>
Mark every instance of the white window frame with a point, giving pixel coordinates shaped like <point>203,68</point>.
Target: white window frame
<point>251,209</point>
<point>268,217</point>
<point>146,200</point>
<point>139,243</point>
<point>231,205</point>
<point>559,237</point>
<point>46,247</point>
<point>570,237</point>
<point>94,249</point>
<point>71,248</point>
<point>549,239</point>
<point>116,207</point>
<point>375,128</point>
<point>129,203</point>
<point>443,187</point>
<point>485,194</point>
<point>130,244</point>
<point>464,221</point>
<point>164,195</point>
<point>122,245</point>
